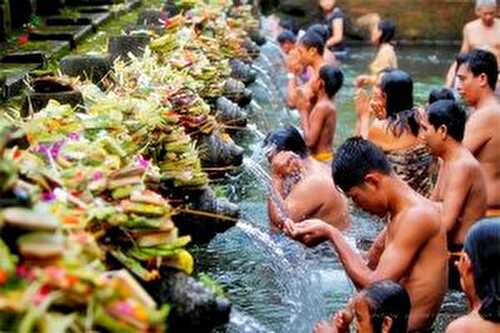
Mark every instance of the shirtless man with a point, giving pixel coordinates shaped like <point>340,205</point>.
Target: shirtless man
<point>319,123</point>
<point>295,175</point>
<point>413,244</point>
<point>483,33</point>
<point>476,80</point>
<point>308,53</point>
<point>460,186</point>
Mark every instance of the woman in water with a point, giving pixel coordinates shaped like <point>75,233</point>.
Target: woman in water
<point>382,34</point>
<point>395,129</point>
<point>480,279</point>
<point>382,308</point>
<point>334,20</point>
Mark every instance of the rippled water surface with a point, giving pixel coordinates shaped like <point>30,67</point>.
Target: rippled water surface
<point>275,284</point>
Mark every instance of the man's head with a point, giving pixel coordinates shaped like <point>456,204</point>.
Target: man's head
<point>441,94</point>
<point>360,170</point>
<point>311,47</point>
<point>327,5</point>
<point>330,80</point>
<point>486,10</point>
<point>285,139</point>
<point>443,121</point>
<point>287,40</point>
<point>384,307</point>
<point>477,73</point>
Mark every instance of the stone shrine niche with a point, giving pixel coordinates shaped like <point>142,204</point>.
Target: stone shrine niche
<point>20,12</point>
<point>48,7</point>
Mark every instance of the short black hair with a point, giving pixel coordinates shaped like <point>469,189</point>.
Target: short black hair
<point>481,62</point>
<point>443,93</point>
<point>320,29</point>
<point>450,114</point>
<point>388,299</point>
<point>289,24</point>
<point>355,158</point>
<point>332,78</point>
<point>388,29</point>
<point>287,139</point>
<point>286,36</point>
<point>314,40</point>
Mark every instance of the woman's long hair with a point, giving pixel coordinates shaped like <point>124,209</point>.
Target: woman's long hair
<point>397,86</point>
<point>482,245</point>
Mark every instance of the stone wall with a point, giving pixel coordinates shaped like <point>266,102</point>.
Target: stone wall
<point>415,19</point>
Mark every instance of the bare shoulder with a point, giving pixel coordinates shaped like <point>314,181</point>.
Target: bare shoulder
<point>423,217</point>
<point>325,107</point>
<point>472,25</point>
<point>465,324</point>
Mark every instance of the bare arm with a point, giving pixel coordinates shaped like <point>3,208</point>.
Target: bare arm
<point>459,186</point>
<point>337,32</point>
<point>312,124</point>
<point>396,258</point>
<point>376,250</point>
<point>466,47</point>
<point>476,135</point>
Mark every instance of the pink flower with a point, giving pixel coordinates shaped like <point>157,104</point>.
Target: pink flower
<point>142,162</point>
<point>48,196</point>
<point>74,136</point>
<point>97,175</point>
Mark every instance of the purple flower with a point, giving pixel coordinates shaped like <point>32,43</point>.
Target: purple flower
<point>142,162</point>
<point>56,149</point>
<point>48,196</point>
<point>74,136</point>
<point>97,175</point>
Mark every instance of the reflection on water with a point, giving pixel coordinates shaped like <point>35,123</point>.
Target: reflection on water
<point>275,284</point>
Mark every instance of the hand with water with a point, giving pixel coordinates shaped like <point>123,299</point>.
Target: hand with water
<point>362,102</point>
<point>309,232</point>
<point>341,320</point>
<point>361,81</point>
<point>293,62</point>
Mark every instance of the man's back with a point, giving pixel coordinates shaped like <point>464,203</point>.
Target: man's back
<point>463,171</point>
<point>330,205</point>
<point>426,278</point>
<point>482,138</point>
<point>323,123</point>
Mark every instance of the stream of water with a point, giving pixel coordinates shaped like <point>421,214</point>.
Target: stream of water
<point>275,284</point>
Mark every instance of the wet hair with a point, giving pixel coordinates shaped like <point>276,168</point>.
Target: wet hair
<point>485,3</point>
<point>287,139</point>
<point>482,245</point>
<point>441,94</point>
<point>355,158</point>
<point>481,62</point>
<point>397,86</point>
<point>449,114</point>
<point>333,79</point>
<point>314,40</point>
<point>388,29</point>
<point>321,30</point>
<point>388,299</point>
<point>290,25</point>
<point>286,36</point>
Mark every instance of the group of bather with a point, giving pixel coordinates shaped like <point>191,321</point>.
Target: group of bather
<point>430,173</point>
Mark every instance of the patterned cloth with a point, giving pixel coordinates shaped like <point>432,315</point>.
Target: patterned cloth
<point>416,166</point>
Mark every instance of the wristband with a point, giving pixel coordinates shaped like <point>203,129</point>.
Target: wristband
<point>291,76</point>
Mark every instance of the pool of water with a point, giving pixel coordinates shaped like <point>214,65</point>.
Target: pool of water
<point>276,284</point>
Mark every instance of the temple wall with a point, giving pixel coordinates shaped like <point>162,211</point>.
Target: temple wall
<point>415,19</point>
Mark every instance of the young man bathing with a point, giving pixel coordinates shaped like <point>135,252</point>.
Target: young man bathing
<point>460,186</point>
<point>319,124</point>
<point>476,81</point>
<point>412,247</point>
<point>295,176</point>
